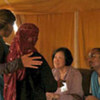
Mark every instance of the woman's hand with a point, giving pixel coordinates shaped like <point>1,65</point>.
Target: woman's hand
<point>91,98</point>
<point>31,62</point>
<point>49,96</point>
<point>52,96</point>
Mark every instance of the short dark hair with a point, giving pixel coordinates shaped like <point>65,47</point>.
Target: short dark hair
<point>97,49</point>
<point>67,54</point>
<point>6,16</point>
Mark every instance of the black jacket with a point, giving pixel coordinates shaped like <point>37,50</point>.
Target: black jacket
<point>36,82</point>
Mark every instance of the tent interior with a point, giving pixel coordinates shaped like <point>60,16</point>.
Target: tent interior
<point>74,24</point>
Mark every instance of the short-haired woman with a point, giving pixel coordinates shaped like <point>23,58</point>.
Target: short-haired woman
<point>69,79</point>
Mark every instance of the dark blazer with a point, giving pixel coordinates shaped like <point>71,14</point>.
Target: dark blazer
<point>36,82</point>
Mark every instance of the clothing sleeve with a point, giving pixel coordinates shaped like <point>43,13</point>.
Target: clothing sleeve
<point>53,96</point>
<point>63,97</point>
<point>8,67</point>
<point>69,97</point>
<point>50,84</point>
<point>11,66</point>
<point>1,52</point>
<point>76,87</point>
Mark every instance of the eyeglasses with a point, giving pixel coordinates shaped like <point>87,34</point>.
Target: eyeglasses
<point>93,55</point>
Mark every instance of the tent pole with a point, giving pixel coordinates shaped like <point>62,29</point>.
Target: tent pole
<point>76,45</point>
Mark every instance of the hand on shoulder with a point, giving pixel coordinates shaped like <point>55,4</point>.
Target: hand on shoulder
<point>31,62</point>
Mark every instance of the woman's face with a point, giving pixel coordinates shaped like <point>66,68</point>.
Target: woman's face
<point>59,60</point>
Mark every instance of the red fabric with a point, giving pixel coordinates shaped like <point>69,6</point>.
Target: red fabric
<point>23,43</point>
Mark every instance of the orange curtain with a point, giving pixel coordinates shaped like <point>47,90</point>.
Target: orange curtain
<point>89,34</point>
<point>56,30</point>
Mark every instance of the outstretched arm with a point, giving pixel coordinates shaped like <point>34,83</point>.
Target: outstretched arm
<point>24,61</point>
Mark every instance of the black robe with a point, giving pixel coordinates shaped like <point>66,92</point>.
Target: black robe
<point>36,82</point>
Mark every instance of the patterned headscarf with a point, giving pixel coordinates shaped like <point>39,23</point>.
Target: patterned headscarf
<point>23,43</point>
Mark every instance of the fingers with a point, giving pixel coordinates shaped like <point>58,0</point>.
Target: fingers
<point>34,67</point>
<point>29,54</point>
<point>36,62</point>
<point>31,62</point>
<point>38,57</point>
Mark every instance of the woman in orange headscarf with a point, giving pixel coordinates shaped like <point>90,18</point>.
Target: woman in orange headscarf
<point>28,84</point>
